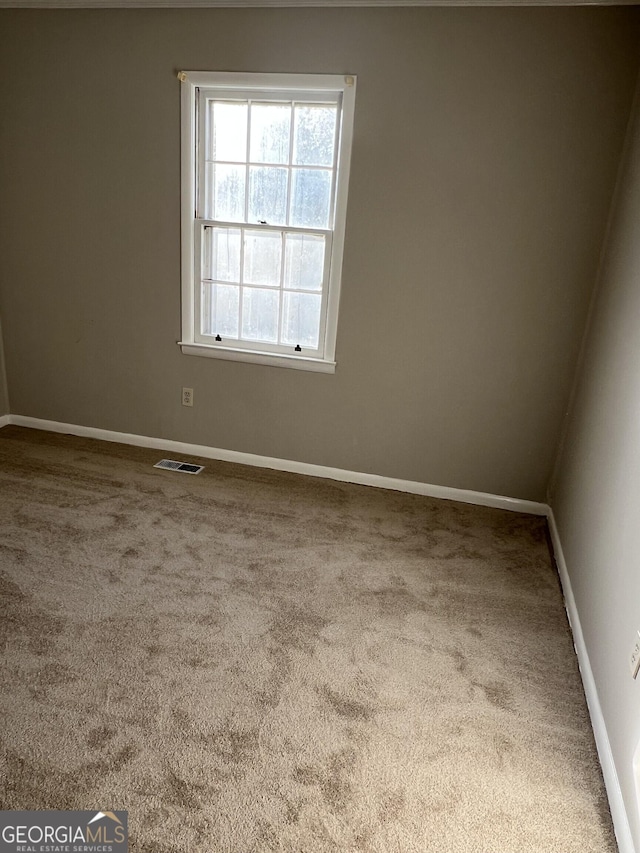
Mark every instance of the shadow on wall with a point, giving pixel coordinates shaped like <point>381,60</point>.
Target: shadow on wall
<point>4,388</point>
<point>636,773</point>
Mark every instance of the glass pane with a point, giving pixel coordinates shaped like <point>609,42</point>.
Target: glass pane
<point>262,257</point>
<point>301,319</point>
<point>268,195</point>
<point>208,191</point>
<point>303,261</point>
<point>314,133</point>
<point>270,132</point>
<point>222,311</point>
<point>207,241</point>
<point>310,195</point>
<point>260,315</point>
<point>228,128</point>
<point>228,193</point>
<point>222,254</point>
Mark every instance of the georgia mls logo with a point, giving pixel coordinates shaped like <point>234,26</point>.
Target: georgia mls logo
<point>63,832</point>
<point>110,815</point>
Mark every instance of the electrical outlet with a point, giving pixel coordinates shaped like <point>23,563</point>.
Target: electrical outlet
<point>187,396</point>
<point>634,657</point>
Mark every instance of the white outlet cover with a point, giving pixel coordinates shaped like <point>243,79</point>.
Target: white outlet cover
<point>634,657</point>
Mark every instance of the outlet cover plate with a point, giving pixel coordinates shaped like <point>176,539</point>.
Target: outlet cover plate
<point>634,657</point>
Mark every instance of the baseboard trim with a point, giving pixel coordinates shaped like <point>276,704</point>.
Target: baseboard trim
<point>611,781</point>
<point>363,479</point>
<point>5,420</point>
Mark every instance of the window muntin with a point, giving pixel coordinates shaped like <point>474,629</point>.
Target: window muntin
<point>270,166</point>
<point>263,286</point>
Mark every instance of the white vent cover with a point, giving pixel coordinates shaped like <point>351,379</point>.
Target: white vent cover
<point>184,467</point>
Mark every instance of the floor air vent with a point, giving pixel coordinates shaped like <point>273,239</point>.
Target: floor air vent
<point>185,467</point>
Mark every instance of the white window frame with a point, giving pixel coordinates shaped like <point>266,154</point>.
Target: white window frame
<point>330,86</point>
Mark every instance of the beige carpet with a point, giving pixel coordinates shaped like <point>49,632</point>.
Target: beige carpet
<point>253,661</point>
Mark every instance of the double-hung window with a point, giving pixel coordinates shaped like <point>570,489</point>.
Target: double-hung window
<point>265,167</point>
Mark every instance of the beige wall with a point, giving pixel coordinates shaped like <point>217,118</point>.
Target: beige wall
<point>596,497</point>
<point>486,145</point>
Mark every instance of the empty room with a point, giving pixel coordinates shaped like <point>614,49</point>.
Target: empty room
<point>319,426</point>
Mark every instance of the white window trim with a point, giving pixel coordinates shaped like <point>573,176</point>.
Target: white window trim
<point>330,83</point>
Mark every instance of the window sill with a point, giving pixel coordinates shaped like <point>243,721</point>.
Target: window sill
<point>295,362</point>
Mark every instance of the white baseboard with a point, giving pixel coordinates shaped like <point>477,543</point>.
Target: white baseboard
<point>376,480</point>
<point>612,784</point>
<point>5,420</point>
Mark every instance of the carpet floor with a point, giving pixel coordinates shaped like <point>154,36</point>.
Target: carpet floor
<point>248,660</point>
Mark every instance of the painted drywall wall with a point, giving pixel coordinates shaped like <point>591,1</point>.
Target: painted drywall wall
<point>596,494</point>
<point>4,393</point>
<point>485,151</point>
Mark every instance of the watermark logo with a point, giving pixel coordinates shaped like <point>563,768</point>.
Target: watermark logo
<point>63,832</point>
